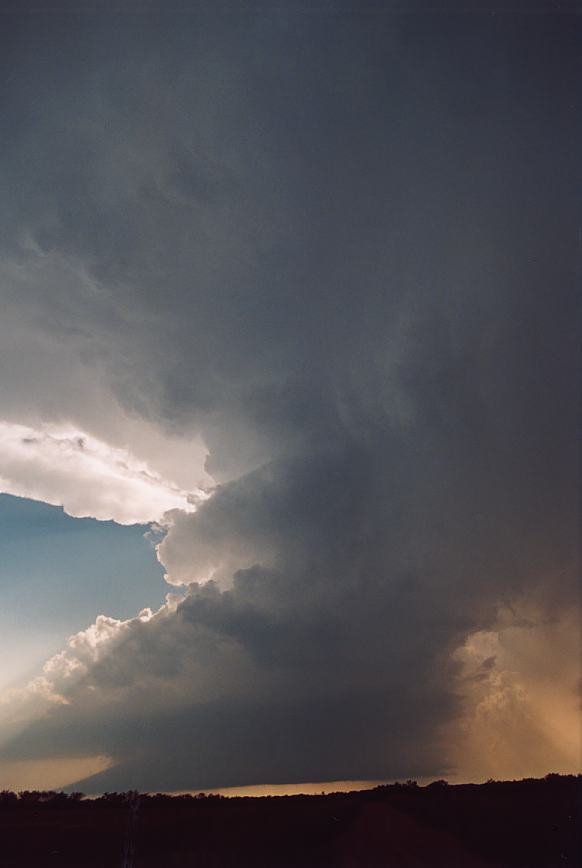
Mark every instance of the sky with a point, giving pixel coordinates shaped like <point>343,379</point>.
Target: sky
<point>41,549</point>
<point>289,393</point>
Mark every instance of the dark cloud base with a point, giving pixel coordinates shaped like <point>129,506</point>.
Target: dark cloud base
<point>342,248</point>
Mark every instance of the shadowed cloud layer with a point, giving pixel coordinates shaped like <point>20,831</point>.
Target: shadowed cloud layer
<point>336,251</point>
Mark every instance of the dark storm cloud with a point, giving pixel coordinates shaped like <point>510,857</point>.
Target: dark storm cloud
<point>342,247</point>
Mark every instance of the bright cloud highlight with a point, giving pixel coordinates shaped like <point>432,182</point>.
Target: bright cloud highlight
<point>87,477</point>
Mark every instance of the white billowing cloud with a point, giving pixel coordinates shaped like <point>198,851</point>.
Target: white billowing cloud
<point>87,477</point>
<point>20,705</point>
<point>200,552</point>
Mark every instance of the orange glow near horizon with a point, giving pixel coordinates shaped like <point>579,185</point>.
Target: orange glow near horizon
<point>49,774</point>
<point>522,689</point>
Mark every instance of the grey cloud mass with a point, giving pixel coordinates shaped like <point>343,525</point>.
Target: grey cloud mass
<point>340,247</point>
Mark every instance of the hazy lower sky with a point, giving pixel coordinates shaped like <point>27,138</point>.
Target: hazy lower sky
<point>289,392</point>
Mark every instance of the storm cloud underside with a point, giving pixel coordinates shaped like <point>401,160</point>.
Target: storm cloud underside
<point>332,254</point>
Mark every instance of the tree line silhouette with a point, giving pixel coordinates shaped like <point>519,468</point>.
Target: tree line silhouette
<point>531,823</point>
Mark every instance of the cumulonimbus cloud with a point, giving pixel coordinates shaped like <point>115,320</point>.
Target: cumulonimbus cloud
<point>338,262</point>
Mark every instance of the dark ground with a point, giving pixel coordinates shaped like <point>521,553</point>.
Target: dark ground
<point>530,823</point>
